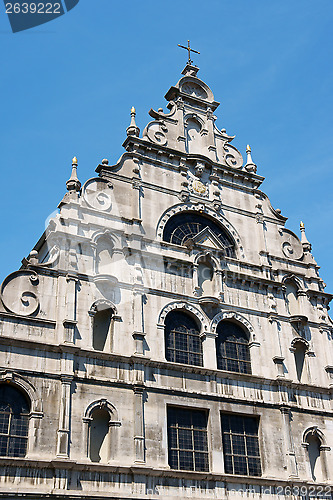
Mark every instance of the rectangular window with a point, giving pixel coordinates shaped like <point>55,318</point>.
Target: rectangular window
<point>187,439</point>
<point>240,445</point>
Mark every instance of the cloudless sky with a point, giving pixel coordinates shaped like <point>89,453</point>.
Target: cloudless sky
<point>67,88</point>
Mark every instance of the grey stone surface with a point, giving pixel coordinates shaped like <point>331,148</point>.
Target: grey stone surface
<point>103,258</point>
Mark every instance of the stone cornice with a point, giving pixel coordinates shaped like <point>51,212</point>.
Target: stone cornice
<point>166,365</point>
<point>142,469</point>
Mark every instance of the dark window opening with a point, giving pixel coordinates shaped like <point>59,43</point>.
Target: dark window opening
<point>240,445</point>
<point>14,420</point>
<point>186,226</point>
<point>187,439</point>
<point>182,339</point>
<point>232,348</point>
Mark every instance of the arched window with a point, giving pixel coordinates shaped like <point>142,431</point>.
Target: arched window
<point>99,435</point>
<point>182,339</point>
<point>14,422</point>
<point>191,226</point>
<point>232,348</point>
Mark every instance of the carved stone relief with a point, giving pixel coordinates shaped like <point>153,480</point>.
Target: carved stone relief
<point>291,245</point>
<point>97,194</point>
<point>18,292</point>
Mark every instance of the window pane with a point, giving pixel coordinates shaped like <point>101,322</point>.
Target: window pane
<point>4,423</point>
<point>3,445</point>
<point>186,460</point>
<point>182,339</point>
<point>240,465</point>
<point>19,425</point>
<point>201,461</point>
<point>14,410</point>
<point>240,445</point>
<point>187,439</point>
<point>232,348</point>
<point>17,447</point>
<point>254,467</point>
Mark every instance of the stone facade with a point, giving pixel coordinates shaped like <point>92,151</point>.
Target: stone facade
<point>178,226</point>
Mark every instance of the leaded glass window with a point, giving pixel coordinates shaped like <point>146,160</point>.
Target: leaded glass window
<point>187,439</point>
<point>232,348</point>
<point>187,225</point>
<point>14,415</point>
<point>182,339</point>
<point>240,445</point>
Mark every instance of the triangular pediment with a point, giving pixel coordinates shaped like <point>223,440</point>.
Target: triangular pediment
<point>207,238</point>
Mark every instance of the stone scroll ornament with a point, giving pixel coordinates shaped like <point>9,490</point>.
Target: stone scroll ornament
<point>233,158</point>
<point>18,292</point>
<point>291,245</point>
<point>98,194</point>
<point>156,132</point>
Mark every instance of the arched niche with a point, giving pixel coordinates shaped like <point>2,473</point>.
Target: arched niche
<point>102,313</point>
<point>316,454</point>
<point>300,347</point>
<point>207,276</point>
<point>194,140</point>
<point>101,425</point>
<point>104,253</point>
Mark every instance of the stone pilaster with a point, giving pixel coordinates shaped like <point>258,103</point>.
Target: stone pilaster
<point>291,464</point>
<point>64,417</point>
<point>209,350</point>
<point>139,436</point>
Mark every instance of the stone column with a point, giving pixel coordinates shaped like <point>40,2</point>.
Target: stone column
<point>324,461</point>
<point>64,417</point>
<point>219,282</point>
<point>291,464</point>
<point>34,419</point>
<point>209,350</point>
<point>86,437</point>
<point>303,302</point>
<point>139,438</point>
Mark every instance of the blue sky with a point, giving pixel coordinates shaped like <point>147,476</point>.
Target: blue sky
<point>67,88</point>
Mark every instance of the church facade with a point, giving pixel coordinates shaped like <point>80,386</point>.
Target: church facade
<point>168,337</point>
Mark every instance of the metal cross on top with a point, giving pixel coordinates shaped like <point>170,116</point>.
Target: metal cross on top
<point>188,48</point>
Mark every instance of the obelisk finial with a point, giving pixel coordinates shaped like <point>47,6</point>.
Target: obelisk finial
<point>73,183</point>
<point>305,242</point>
<point>133,129</point>
<point>250,166</point>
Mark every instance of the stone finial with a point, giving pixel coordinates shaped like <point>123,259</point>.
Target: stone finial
<point>73,183</point>
<point>305,242</point>
<point>133,129</point>
<point>250,166</point>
